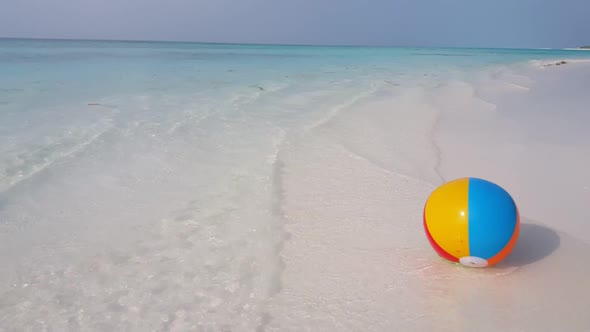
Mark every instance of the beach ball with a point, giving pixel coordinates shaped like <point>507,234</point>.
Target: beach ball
<point>471,221</point>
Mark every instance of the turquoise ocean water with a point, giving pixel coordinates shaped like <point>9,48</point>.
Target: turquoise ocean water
<point>49,88</point>
<point>140,181</point>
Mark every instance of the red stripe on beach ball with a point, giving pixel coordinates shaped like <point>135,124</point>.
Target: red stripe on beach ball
<point>441,252</point>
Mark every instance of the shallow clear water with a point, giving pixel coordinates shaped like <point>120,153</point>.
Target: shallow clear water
<point>49,90</point>
<point>140,182</point>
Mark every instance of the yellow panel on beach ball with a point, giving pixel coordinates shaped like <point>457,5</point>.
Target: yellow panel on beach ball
<point>446,216</point>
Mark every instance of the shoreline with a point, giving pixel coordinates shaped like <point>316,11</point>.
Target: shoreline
<point>357,258</point>
<point>526,125</point>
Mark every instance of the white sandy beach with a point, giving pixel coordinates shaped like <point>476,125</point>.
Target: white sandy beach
<point>230,202</point>
<point>356,258</point>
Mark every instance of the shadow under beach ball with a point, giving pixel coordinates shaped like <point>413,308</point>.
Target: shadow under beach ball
<point>535,242</point>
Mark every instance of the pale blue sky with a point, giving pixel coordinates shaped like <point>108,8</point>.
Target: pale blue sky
<point>474,23</point>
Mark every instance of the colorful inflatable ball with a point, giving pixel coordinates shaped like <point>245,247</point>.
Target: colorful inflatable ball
<point>471,221</point>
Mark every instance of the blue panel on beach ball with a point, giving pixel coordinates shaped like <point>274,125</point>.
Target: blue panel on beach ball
<point>492,218</point>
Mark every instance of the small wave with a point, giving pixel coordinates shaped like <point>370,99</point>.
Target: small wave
<point>26,164</point>
<point>359,155</point>
<point>335,110</point>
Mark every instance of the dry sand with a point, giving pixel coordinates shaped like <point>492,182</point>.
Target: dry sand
<point>357,259</point>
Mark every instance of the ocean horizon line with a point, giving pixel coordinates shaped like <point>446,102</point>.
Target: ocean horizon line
<point>285,44</point>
